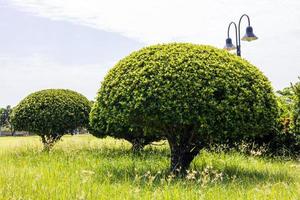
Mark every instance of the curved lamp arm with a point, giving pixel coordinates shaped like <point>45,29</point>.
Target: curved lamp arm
<point>236,32</point>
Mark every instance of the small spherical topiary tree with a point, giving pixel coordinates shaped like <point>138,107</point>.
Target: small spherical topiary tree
<point>190,94</point>
<point>51,113</point>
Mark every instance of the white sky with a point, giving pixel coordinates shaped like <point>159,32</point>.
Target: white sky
<point>275,22</point>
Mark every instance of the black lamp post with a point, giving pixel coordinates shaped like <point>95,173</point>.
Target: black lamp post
<point>249,36</point>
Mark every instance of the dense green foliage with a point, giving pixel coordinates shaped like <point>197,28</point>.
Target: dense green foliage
<point>286,101</point>
<point>83,167</point>
<point>191,94</point>
<point>289,104</point>
<point>286,141</point>
<point>296,113</point>
<point>51,113</point>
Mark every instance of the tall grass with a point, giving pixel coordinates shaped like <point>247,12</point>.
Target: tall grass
<point>84,167</point>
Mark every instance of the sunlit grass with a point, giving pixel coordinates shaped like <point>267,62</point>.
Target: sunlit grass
<point>84,167</point>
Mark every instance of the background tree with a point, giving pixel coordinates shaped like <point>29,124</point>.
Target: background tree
<point>192,95</point>
<point>51,113</point>
<point>296,112</point>
<point>286,140</point>
<point>5,120</point>
<point>2,120</point>
<point>286,100</point>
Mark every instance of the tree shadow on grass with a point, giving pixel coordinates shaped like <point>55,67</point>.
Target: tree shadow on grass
<point>126,152</point>
<point>254,176</point>
<point>152,167</point>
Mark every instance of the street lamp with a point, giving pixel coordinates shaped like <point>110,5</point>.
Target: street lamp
<point>249,36</point>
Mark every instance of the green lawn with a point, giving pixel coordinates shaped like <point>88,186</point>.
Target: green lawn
<point>84,167</point>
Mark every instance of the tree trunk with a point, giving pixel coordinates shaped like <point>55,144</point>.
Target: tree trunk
<point>181,158</point>
<point>12,131</point>
<point>49,140</point>
<point>183,150</point>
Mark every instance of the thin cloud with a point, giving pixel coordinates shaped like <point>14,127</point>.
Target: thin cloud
<point>153,21</point>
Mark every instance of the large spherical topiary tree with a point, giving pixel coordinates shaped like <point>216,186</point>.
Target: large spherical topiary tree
<point>190,94</point>
<point>51,113</point>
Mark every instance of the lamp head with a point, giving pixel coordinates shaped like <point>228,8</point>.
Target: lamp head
<point>229,46</point>
<point>249,36</point>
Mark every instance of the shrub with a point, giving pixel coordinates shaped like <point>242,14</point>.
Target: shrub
<point>296,111</point>
<point>286,140</point>
<point>191,94</point>
<point>51,113</point>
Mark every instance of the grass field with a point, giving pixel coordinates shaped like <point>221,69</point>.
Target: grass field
<point>84,167</point>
